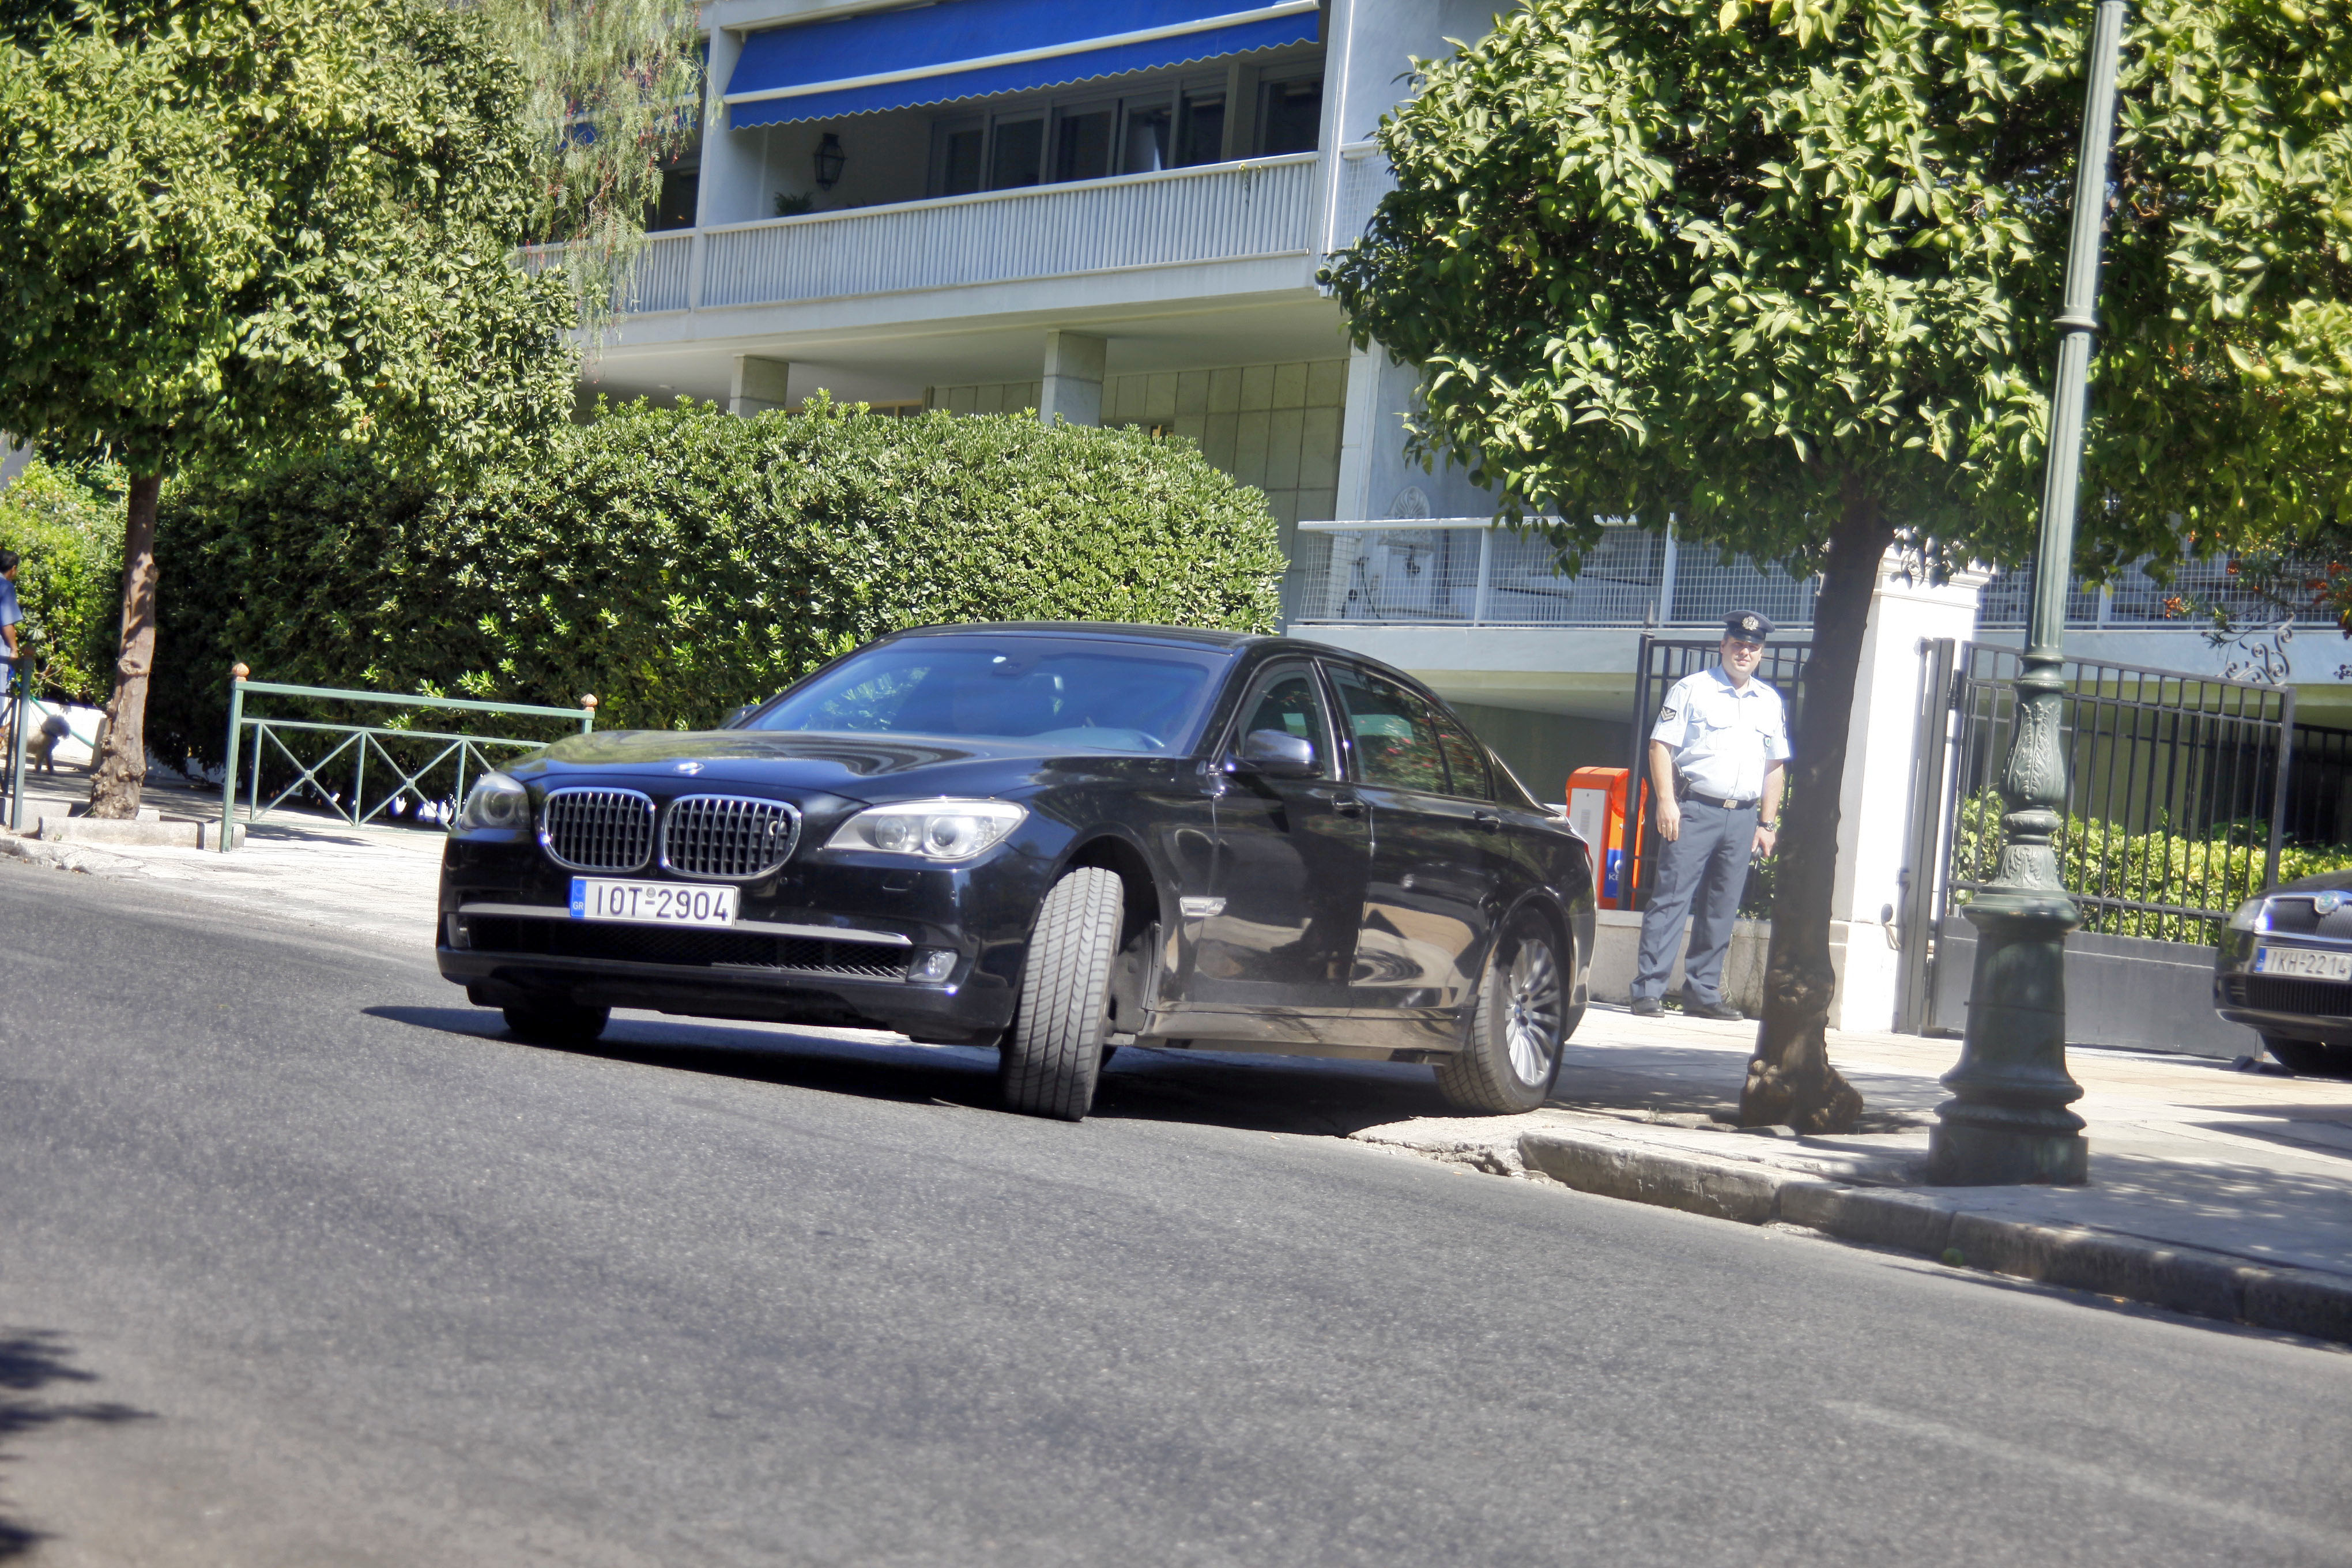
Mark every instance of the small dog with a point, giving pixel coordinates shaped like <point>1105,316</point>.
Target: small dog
<point>44,748</point>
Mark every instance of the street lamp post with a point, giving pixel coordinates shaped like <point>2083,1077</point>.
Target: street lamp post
<point>2008,1118</point>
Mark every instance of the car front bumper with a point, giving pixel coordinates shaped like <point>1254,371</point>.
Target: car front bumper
<point>825,944</point>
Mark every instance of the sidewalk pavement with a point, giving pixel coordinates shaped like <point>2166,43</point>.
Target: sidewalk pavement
<point>2212,1191</point>
<point>309,868</point>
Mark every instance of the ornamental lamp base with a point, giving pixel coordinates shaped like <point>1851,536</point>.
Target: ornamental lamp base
<point>1960,1155</point>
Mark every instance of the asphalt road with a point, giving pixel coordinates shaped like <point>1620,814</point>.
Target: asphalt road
<point>302,1263</point>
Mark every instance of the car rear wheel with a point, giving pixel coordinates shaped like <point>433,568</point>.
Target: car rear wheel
<point>1055,1052</point>
<point>1512,1056</point>
<point>553,1022</point>
<point>2309,1058</point>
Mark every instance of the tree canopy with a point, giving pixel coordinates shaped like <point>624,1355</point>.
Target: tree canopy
<point>1786,274</point>
<point>229,230</point>
<point>1720,261</point>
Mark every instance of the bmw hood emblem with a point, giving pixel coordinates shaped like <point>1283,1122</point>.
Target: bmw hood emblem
<point>690,767</point>
<point>2325,904</point>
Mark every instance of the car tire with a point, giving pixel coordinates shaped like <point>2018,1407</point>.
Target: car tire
<point>2309,1058</point>
<point>556,1022</point>
<point>1512,1056</point>
<point>1055,1052</point>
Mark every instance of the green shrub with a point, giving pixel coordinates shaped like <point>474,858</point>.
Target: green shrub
<point>2094,858</point>
<point>67,525</point>
<point>678,562</point>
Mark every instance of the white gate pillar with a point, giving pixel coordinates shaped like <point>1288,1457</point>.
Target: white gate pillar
<point>1874,803</point>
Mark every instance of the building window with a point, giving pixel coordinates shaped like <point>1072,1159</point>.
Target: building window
<point>1082,140</point>
<point>1017,157</point>
<point>1203,139</point>
<point>958,157</point>
<point>1290,116</point>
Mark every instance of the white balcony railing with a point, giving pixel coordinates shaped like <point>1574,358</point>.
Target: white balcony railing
<point>1464,571</point>
<point>1222,212</point>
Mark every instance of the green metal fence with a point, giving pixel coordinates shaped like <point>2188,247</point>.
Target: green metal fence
<point>358,743</point>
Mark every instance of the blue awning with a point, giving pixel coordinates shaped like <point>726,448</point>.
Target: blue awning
<point>970,49</point>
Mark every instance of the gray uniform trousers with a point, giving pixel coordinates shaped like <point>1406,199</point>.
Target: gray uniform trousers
<point>1703,872</point>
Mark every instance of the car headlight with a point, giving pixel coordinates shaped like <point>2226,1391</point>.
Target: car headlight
<point>2250,915</point>
<point>496,801</point>
<point>931,829</point>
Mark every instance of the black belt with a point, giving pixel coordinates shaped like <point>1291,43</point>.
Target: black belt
<point>1726,805</point>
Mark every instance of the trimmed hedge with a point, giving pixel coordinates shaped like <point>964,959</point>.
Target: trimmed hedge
<point>67,525</point>
<point>678,562</point>
<point>2218,873</point>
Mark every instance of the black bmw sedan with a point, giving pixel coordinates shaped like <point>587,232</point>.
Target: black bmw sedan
<point>2284,971</point>
<point>1051,838</point>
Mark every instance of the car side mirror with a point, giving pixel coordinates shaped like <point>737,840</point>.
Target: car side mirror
<point>1276,755</point>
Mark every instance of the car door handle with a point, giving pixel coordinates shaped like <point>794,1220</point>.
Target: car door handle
<point>1491,821</point>
<point>1348,805</point>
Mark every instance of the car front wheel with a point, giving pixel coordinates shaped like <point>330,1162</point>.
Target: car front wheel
<point>1055,1052</point>
<point>1512,1056</point>
<point>2309,1058</point>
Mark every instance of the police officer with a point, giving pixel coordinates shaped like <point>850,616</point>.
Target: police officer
<point>1716,759</point>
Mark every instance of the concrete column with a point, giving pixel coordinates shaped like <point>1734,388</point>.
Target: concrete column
<point>1072,383</point>
<point>758,385</point>
<point>732,184</point>
<point>1874,804</point>
<point>1357,423</point>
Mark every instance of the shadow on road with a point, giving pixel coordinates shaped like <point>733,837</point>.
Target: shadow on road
<point>31,1359</point>
<point>1271,1094</point>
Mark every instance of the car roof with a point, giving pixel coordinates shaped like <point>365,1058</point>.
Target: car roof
<point>1124,631</point>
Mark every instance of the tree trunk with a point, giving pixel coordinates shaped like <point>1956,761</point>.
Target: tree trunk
<point>122,763</point>
<point>1790,1081</point>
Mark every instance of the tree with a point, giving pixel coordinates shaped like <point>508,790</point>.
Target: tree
<point>1786,275</point>
<point>234,230</point>
<point>614,91</point>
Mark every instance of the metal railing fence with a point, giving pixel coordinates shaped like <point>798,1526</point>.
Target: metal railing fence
<point>2177,789</point>
<point>444,754</point>
<point>16,683</point>
<point>1468,571</point>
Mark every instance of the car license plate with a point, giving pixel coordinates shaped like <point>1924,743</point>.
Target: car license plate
<point>652,903</point>
<point>2303,960</point>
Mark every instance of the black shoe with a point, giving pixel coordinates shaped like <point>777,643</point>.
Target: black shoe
<point>1722,1011</point>
<point>1646,1008</point>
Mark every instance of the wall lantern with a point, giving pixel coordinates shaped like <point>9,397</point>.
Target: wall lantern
<point>829,160</point>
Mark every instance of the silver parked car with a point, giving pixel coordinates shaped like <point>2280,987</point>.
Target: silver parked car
<point>2284,971</point>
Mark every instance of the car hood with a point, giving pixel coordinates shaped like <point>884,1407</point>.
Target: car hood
<point>855,766</point>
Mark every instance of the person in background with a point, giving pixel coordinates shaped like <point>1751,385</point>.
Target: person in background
<point>1716,758</point>
<point>11,612</point>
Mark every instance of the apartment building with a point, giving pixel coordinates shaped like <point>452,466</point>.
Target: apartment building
<point>1113,213</point>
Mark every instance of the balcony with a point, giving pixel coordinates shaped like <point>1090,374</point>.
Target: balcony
<point>1464,571</point>
<point>1259,209</point>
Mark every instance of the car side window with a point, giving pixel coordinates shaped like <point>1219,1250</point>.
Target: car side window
<point>1288,702</point>
<point>1394,732</point>
<point>1465,759</point>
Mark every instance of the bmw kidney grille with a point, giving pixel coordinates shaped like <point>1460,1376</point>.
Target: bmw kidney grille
<point>727,837</point>
<point>597,829</point>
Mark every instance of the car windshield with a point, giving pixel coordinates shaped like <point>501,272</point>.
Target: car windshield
<point>1057,692</point>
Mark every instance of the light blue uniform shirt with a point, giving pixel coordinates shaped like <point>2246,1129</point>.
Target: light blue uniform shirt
<point>1722,735</point>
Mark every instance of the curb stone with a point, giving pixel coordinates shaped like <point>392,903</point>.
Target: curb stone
<point>2182,1278</point>
<point>70,857</point>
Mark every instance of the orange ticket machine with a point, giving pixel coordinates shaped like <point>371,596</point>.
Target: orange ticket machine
<point>1596,809</point>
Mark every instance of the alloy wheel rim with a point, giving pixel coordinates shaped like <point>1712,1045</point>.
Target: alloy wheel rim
<point>1531,1021</point>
